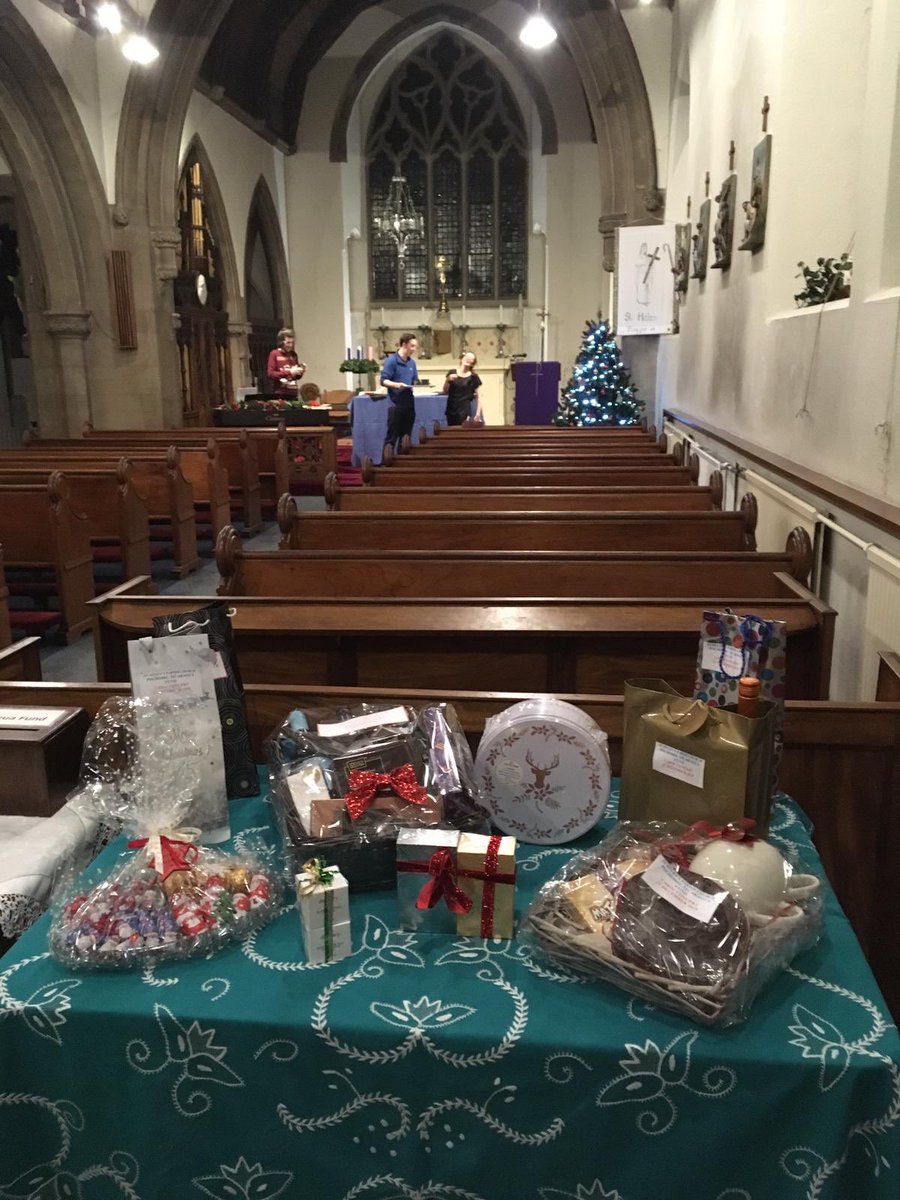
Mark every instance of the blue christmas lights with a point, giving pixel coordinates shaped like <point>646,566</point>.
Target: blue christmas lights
<point>599,391</point>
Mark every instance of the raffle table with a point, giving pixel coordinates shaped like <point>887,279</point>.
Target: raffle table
<point>369,419</point>
<point>434,1068</point>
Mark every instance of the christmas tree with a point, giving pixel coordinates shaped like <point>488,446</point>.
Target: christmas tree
<point>599,391</point>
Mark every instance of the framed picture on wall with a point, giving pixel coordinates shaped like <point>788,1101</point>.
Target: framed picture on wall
<point>756,208</point>
<point>644,292</point>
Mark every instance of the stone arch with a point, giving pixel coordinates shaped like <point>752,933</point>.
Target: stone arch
<point>458,19</point>
<point>264,216</point>
<point>66,217</point>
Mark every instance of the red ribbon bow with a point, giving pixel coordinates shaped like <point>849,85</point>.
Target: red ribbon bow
<point>704,831</point>
<point>365,784</point>
<point>441,882</point>
<point>175,855</point>
<point>736,831</point>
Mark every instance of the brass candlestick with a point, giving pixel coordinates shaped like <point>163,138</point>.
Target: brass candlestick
<point>501,340</point>
<point>440,265</point>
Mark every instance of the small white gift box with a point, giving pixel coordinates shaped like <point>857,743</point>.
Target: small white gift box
<point>324,903</point>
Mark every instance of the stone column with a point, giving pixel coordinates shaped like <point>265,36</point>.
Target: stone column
<point>239,351</point>
<point>166,243</point>
<point>69,330</point>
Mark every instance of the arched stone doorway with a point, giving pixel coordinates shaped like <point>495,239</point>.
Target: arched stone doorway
<point>267,289</point>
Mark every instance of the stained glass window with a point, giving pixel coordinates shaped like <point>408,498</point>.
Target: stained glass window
<point>450,125</point>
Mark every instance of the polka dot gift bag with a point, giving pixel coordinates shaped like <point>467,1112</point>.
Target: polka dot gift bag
<point>732,646</point>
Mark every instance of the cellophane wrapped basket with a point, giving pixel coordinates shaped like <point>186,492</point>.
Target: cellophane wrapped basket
<point>166,897</point>
<point>345,781</point>
<point>695,919</point>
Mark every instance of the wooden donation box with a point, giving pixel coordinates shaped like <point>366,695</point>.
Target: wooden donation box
<point>40,758</point>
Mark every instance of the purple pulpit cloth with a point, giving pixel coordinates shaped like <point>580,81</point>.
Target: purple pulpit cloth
<point>537,392</point>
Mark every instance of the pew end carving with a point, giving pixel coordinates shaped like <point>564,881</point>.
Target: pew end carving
<point>750,510</point>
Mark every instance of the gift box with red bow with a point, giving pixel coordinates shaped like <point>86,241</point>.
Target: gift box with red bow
<point>428,892</point>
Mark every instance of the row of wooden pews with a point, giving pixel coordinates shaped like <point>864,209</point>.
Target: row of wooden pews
<point>582,600</point>
<point>73,509</point>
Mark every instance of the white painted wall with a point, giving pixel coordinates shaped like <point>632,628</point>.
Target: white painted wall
<point>650,28</point>
<point>822,389</point>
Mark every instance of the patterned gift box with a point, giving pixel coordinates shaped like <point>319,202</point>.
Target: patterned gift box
<point>428,893</point>
<point>486,867</point>
<point>324,903</point>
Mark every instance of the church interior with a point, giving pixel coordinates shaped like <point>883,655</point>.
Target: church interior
<point>498,398</point>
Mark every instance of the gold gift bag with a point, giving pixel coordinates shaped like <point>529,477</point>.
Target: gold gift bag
<point>683,760</point>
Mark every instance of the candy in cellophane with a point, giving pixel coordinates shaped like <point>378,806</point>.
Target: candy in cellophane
<point>166,897</point>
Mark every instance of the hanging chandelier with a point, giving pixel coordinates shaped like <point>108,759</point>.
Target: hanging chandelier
<point>398,218</point>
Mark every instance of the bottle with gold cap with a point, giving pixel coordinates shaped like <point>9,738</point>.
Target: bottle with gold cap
<point>748,696</point>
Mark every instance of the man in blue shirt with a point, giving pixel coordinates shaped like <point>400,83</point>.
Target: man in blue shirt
<point>398,375</point>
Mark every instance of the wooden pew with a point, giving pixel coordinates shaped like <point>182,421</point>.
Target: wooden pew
<point>710,530</point>
<point>485,574</point>
<point>567,644</point>
<point>311,453</point>
<point>238,454</point>
<point>201,466</point>
<point>40,531</point>
<point>447,498</point>
<point>528,458</point>
<point>114,510</point>
<point>841,762</point>
<point>464,478</point>
<point>158,480</point>
<point>5,627</point>
<point>21,661</point>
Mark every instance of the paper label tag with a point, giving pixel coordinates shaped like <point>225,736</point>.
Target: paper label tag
<point>678,764</point>
<point>390,716</point>
<point>29,718</point>
<point>306,785</point>
<point>663,879</point>
<point>173,668</point>
<point>727,660</point>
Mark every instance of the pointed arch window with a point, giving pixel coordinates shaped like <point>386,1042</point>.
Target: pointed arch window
<point>451,125</point>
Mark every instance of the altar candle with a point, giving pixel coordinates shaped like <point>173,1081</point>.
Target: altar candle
<point>348,354</point>
<point>371,354</point>
<point>423,318</point>
<point>464,314</point>
<point>358,353</point>
<point>501,314</point>
<point>382,316</point>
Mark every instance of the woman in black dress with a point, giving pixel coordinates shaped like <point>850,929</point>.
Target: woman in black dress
<point>461,387</point>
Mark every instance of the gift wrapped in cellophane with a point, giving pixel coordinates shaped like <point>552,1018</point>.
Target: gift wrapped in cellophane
<point>166,897</point>
<point>697,919</point>
<point>345,782</point>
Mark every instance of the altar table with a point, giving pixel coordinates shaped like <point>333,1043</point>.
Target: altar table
<point>369,419</point>
<point>428,1067</point>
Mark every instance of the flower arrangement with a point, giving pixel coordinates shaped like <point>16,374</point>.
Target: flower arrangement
<point>271,405</point>
<point>359,366</point>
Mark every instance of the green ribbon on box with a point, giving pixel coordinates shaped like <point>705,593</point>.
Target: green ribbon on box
<point>316,873</point>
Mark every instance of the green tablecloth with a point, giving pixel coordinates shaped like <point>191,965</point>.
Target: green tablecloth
<point>427,1067</point>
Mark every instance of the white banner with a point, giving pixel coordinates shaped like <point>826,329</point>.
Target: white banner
<point>646,285</point>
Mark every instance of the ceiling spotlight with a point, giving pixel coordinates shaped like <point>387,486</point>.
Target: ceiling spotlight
<point>537,32</point>
<point>109,18</point>
<point>139,50</point>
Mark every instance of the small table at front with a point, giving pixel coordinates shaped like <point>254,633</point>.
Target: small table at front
<point>432,1068</point>
<point>369,420</point>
